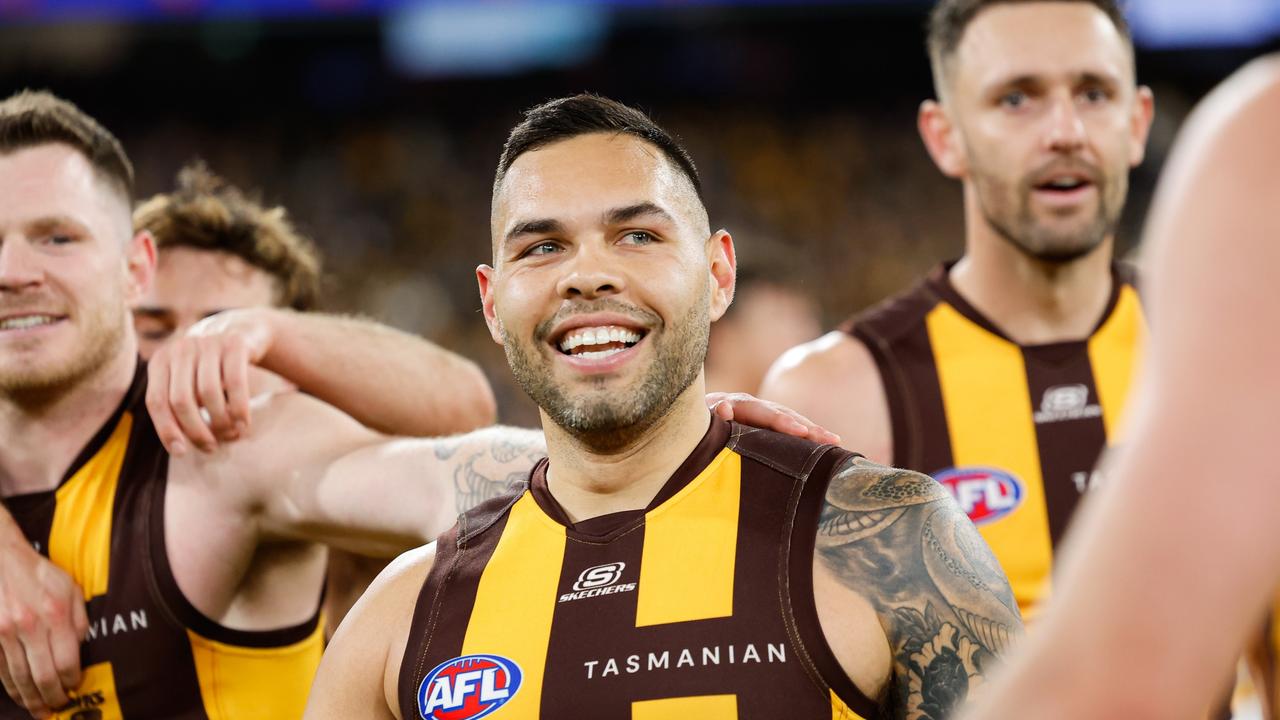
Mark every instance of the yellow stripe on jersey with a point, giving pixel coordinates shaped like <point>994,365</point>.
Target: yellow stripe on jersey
<point>690,543</point>
<point>840,711</point>
<point>1115,353</point>
<point>989,420</point>
<point>516,598</point>
<point>703,707</point>
<point>80,538</point>
<point>97,692</point>
<point>242,682</point>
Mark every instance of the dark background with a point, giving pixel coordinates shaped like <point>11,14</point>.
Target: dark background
<point>378,124</point>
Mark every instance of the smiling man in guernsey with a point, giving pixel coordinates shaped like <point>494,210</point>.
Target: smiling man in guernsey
<point>757,576</point>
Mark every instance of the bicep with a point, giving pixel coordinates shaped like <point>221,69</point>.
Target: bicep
<point>359,674</point>
<point>944,603</point>
<point>834,381</point>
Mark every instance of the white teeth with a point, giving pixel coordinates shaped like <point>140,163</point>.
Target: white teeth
<point>598,336</point>
<point>25,321</point>
<point>597,354</point>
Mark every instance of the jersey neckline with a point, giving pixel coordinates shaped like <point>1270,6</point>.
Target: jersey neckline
<point>605,527</point>
<point>939,281</point>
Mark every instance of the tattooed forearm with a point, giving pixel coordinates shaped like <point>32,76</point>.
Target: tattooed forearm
<point>947,609</point>
<point>485,463</point>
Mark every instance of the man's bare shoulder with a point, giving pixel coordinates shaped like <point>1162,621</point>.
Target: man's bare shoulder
<point>834,381</point>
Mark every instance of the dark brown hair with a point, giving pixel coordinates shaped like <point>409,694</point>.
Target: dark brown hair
<point>207,213</point>
<point>569,117</point>
<point>30,118</point>
<point>950,19</point>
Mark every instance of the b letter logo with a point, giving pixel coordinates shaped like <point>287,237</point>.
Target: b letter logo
<point>599,576</point>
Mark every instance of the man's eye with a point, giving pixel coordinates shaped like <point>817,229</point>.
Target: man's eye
<point>1015,99</point>
<point>639,237</point>
<point>1096,95</point>
<point>542,248</point>
<point>59,239</point>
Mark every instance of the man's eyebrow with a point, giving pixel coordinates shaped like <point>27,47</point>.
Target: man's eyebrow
<point>541,226</point>
<point>621,215</point>
<point>158,313</point>
<point>53,222</point>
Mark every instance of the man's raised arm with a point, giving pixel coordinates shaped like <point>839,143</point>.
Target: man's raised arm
<point>388,380</point>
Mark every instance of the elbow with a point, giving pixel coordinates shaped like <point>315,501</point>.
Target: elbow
<point>481,408</point>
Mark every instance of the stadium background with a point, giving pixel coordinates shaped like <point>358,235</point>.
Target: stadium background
<point>377,123</point>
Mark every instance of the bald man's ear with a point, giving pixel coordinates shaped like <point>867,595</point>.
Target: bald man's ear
<point>942,139</point>
<point>484,277</point>
<point>724,269</point>
<point>140,265</point>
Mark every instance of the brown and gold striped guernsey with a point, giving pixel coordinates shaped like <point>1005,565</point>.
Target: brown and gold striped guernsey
<point>698,606</point>
<point>149,652</point>
<point>1013,431</point>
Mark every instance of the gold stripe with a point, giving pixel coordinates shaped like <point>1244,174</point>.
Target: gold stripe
<point>989,420</point>
<point>690,542</point>
<point>242,682</point>
<point>1115,352</point>
<point>97,691</point>
<point>705,707</point>
<point>516,599</point>
<point>840,711</point>
<point>80,538</point>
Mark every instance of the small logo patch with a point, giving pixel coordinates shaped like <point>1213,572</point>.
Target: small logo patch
<point>597,581</point>
<point>985,494</point>
<point>1066,402</point>
<point>468,687</point>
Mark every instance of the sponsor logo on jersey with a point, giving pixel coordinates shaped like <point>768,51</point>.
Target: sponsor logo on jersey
<point>468,687</point>
<point>599,580</point>
<point>985,494</point>
<point>1066,402</point>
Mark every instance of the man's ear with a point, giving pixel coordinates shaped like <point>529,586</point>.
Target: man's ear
<point>1144,111</point>
<point>485,279</point>
<point>724,269</point>
<point>942,139</point>
<point>140,263</point>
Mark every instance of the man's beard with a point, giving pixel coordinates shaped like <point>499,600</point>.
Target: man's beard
<point>102,335</point>
<point>610,419</point>
<point>1007,209</point>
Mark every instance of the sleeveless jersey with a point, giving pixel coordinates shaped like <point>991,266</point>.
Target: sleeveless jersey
<point>1013,431</point>
<point>698,606</point>
<point>150,653</point>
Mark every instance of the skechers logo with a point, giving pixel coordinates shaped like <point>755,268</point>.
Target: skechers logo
<point>1066,402</point>
<point>468,687</point>
<point>985,494</point>
<point>599,580</point>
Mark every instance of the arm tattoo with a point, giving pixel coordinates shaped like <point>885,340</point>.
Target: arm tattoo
<point>897,538</point>
<point>488,462</point>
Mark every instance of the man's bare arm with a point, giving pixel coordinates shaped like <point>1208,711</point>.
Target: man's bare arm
<point>388,380</point>
<point>834,381</point>
<point>359,675</point>
<point>1164,574</point>
<point>897,538</point>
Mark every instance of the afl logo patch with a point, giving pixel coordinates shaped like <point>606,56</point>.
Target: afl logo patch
<point>468,687</point>
<point>985,494</point>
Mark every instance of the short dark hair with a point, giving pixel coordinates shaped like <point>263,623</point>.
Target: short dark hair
<point>30,118</point>
<point>950,19</point>
<point>205,212</point>
<point>583,114</point>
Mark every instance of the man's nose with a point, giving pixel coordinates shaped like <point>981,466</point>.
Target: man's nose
<point>18,266</point>
<point>590,274</point>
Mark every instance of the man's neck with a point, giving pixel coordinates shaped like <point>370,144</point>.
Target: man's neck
<point>589,484</point>
<point>42,439</point>
<point>1032,301</point>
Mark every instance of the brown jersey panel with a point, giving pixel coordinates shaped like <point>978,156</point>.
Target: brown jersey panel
<point>895,335</point>
<point>1069,428</point>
